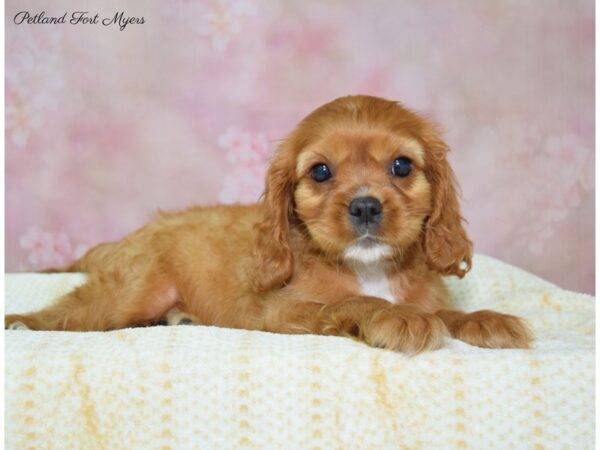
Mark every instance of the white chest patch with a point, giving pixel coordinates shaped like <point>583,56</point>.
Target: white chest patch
<point>375,283</point>
<point>368,264</point>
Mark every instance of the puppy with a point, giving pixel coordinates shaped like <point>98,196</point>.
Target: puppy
<point>358,222</point>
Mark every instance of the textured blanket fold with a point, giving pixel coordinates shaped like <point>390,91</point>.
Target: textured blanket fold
<point>207,387</point>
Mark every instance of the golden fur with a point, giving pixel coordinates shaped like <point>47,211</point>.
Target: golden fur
<point>282,265</point>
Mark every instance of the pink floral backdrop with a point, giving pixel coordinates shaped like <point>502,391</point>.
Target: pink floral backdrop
<point>104,126</point>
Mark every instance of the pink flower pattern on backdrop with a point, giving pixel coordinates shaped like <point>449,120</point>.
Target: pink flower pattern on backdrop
<point>248,155</point>
<point>222,20</point>
<point>49,250</point>
<point>22,119</point>
<point>103,128</point>
<point>32,84</point>
<point>555,181</point>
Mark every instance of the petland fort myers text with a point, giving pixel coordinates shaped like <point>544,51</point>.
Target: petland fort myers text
<point>119,19</point>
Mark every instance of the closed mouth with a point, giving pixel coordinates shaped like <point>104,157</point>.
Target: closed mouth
<point>368,250</point>
<point>367,241</point>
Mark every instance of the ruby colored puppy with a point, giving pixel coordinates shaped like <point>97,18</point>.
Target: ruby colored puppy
<point>359,221</point>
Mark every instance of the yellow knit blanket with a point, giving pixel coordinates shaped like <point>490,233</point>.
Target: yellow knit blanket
<point>206,387</point>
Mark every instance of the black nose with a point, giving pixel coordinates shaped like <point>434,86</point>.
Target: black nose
<point>365,211</point>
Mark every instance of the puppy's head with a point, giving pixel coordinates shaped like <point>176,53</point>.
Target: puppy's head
<point>367,180</point>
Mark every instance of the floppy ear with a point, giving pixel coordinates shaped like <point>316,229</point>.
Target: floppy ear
<point>445,241</point>
<point>273,254</point>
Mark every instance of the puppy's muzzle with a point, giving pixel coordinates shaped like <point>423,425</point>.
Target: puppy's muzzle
<point>365,214</point>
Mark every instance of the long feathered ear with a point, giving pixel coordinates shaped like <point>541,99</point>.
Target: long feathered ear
<point>274,259</point>
<point>445,241</point>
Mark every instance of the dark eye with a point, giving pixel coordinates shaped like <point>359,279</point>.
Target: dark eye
<point>320,173</point>
<point>401,167</point>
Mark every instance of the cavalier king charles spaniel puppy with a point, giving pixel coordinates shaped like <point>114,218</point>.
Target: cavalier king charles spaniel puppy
<point>358,223</point>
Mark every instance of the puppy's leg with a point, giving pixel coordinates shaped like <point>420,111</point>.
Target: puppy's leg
<point>375,321</point>
<point>487,329</point>
<point>17,326</point>
<point>105,302</point>
<point>175,316</point>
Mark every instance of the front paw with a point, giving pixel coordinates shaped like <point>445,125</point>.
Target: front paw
<point>405,329</point>
<point>490,329</point>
